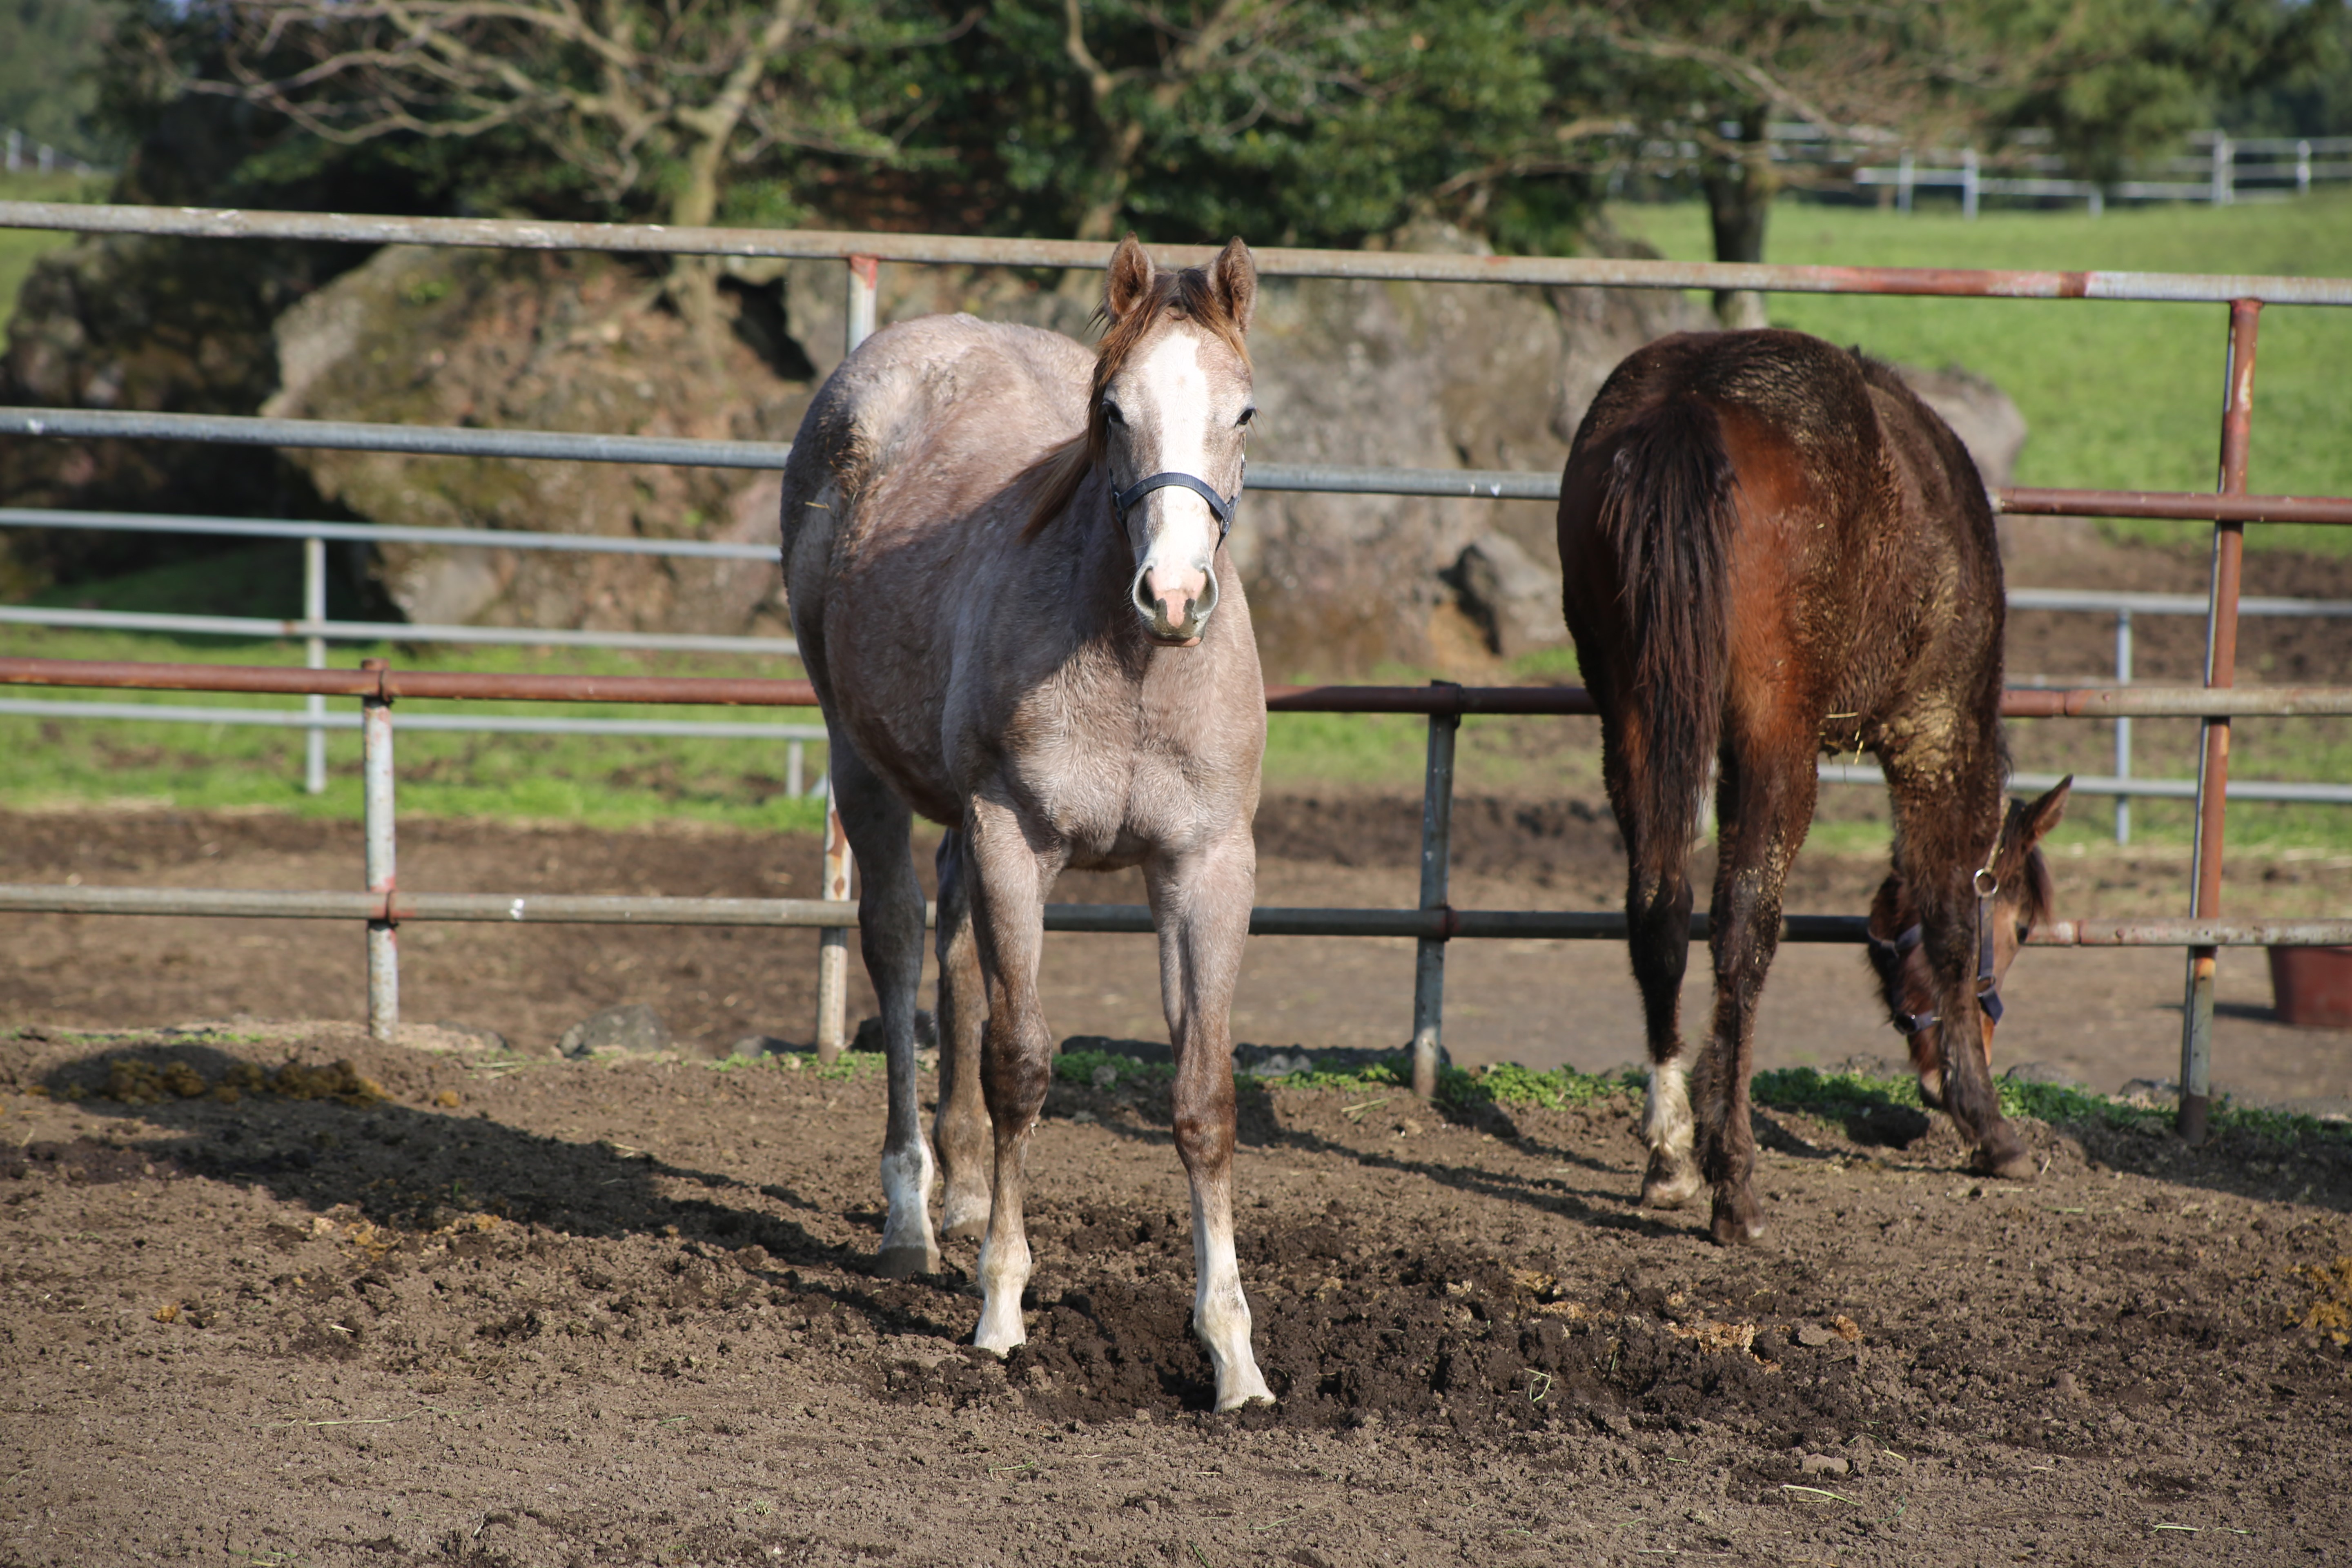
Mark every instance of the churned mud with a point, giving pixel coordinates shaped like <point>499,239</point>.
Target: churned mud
<point>271,1294</point>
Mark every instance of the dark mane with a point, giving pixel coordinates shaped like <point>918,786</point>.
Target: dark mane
<point>1053,480</point>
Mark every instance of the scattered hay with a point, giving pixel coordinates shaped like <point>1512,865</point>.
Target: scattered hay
<point>2331,1314</point>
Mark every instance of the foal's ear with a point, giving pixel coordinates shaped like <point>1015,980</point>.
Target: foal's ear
<point>1233,275</point>
<point>2036,820</point>
<point>1131,278</point>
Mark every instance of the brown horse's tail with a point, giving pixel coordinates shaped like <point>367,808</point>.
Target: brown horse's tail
<point>1667,507</point>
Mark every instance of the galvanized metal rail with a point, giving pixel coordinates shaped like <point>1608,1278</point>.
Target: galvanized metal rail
<point>1273,261</point>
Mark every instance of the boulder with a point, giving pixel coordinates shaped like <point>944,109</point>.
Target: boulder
<point>527,341</point>
<point>634,1029</point>
<point>1982,415</point>
<point>1513,599</point>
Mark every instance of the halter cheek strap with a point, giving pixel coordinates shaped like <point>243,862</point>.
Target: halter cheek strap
<point>1220,507</point>
<point>1988,987</point>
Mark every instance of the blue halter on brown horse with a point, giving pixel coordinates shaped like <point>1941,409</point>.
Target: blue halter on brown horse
<point>1773,550</point>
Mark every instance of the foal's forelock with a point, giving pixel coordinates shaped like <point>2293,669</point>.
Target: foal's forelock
<point>1182,296</point>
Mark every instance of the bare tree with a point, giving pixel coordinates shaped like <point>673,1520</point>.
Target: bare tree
<point>1717,73</point>
<point>651,101</point>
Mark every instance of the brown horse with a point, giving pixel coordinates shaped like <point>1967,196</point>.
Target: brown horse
<point>1005,563</point>
<point>1773,550</point>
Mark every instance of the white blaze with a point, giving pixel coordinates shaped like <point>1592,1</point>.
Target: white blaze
<point>1175,410</point>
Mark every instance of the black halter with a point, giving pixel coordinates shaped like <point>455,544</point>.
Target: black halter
<point>1988,988</point>
<point>1220,507</point>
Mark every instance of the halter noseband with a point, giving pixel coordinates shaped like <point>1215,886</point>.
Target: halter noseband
<point>1988,988</point>
<point>1220,507</point>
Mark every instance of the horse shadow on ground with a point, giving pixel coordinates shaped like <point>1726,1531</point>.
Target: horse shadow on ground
<point>320,1139</point>
<point>1860,1121</point>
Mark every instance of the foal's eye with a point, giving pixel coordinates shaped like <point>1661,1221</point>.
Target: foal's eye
<point>1247,415</point>
<point>1111,413</point>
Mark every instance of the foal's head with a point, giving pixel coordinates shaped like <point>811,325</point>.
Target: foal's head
<point>1169,412</point>
<point>2020,898</point>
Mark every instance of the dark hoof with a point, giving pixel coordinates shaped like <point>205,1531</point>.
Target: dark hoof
<point>905,1262</point>
<point>1669,1184</point>
<point>1738,1222</point>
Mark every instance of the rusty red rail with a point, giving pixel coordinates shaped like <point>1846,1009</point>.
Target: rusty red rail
<point>1441,698</point>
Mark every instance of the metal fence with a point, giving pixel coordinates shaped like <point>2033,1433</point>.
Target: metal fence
<point>2123,783</point>
<point>2203,933</point>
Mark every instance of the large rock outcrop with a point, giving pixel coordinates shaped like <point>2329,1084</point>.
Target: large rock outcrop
<point>538,341</point>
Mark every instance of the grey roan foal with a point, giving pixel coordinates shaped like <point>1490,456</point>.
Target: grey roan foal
<point>1004,561</point>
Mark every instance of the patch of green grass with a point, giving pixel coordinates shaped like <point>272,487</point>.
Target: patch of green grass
<point>1561,1089</point>
<point>2116,395</point>
<point>1126,1072</point>
<point>1835,1095</point>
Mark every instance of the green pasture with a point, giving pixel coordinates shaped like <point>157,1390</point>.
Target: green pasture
<point>2116,396</point>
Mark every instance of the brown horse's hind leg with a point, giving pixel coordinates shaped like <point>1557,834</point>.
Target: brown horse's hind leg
<point>1200,904</point>
<point>961,1129</point>
<point>1009,928</point>
<point>1657,915</point>
<point>890,933</point>
<point>1764,805</point>
<point>1657,940</point>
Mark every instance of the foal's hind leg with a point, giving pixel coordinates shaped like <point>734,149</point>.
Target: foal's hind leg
<point>1764,807</point>
<point>891,933</point>
<point>1200,904</point>
<point>961,1129</point>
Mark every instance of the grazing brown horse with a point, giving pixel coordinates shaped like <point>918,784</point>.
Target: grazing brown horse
<point>1005,563</point>
<point>1773,550</point>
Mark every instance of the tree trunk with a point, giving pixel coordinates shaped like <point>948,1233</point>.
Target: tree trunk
<point>693,280</point>
<point>1739,191</point>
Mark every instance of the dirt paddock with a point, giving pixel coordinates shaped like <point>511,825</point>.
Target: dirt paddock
<point>466,1305</point>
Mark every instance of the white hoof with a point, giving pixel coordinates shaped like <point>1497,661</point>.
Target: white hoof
<point>1242,1386</point>
<point>1001,1331</point>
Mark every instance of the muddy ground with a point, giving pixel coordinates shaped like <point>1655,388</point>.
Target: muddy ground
<point>520,1309</point>
<point>465,1309</point>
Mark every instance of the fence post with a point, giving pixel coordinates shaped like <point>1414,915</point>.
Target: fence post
<point>314,656</point>
<point>1971,185</point>
<point>2124,725</point>
<point>1906,181</point>
<point>2303,168</point>
<point>2213,761</point>
<point>383,938</point>
<point>832,942</point>
<point>2221,193</point>
<point>1436,857</point>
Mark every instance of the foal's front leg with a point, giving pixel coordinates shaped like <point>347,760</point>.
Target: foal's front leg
<point>1009,923</point>
<point>1200,904</point>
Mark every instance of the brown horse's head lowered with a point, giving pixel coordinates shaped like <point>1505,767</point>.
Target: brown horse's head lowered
<point>1167,416</point>
<point>2013,896</point>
